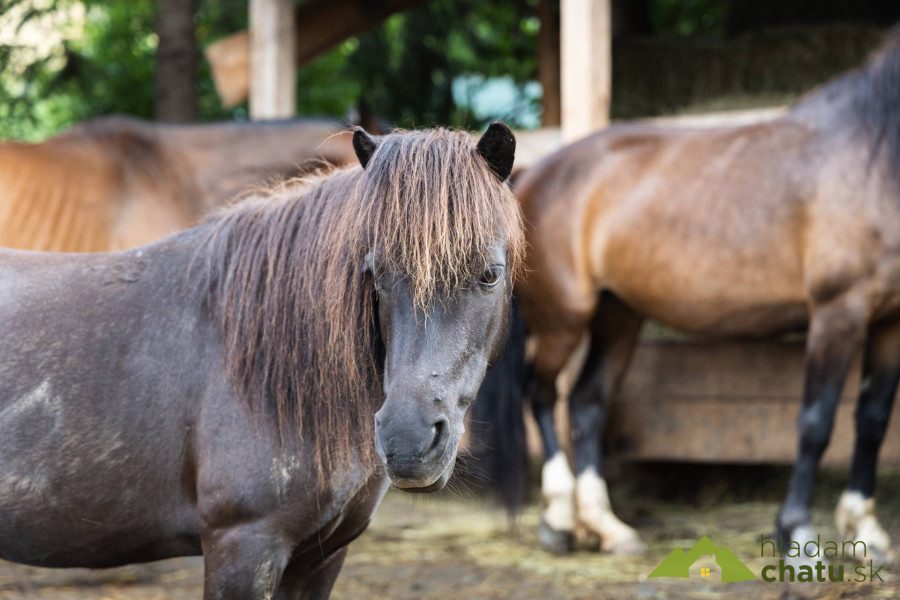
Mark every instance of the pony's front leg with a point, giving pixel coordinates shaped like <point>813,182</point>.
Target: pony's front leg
<point>855,513</point>
<point>835,335</point>
<point>299,585</point>
<point>244,562</point>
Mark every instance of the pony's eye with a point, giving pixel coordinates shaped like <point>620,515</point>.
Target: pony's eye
<point>491,276</point>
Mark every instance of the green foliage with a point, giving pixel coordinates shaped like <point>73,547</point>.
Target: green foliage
<point>404,70</point>
<point>23,77</point>
<point>325,86</point>
<point>408,66</point>
<point>688,17</point>
<point>109,69</point>
<point>112,66</point>
<point>213,20</point>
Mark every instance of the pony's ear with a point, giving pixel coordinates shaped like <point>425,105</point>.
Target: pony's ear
<point>364,145</point>
<point>498,147</point>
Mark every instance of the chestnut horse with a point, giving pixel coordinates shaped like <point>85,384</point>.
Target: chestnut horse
<point>216,392</point>
<point>117,182</point>
<point>745,231</point>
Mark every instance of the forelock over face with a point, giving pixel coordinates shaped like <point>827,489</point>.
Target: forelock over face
<point>437,210</point>
<point>286,272</point>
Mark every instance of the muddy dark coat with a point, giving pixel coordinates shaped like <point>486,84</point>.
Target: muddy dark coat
<point>131,430</point>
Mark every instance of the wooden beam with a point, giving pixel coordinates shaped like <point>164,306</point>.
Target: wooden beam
<point>229,61</point>
<point>733,402</point>
<point>272,69</point>
<point>324,24</point>
<point>586,53</point>
<point>548,61</point>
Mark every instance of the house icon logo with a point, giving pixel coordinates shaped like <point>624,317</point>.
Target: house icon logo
<point>678,563</point>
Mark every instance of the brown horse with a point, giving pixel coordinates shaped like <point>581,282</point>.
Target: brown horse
<point>117,182</point>
<point>745,231</point>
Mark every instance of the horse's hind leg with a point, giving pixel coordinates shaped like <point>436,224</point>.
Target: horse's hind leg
<point>557,481</point>
<point>242,563</point>
<point>613,335</point>
<point>835,335</point>
<point>855,514</point>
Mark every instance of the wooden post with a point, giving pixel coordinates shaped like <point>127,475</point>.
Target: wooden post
<point>272,71</point>
<point>586,53</point>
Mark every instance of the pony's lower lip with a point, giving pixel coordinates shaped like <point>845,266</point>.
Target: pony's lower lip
<point>409,485</point>
<point>434,487</point>
<point>417,487</point>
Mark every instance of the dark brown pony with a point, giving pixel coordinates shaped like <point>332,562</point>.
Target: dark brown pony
<point>216,392</point>
<point>747,231</point>
<point>117,182</point>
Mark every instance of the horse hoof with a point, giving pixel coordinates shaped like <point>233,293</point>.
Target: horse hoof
<point>555,541</point>
<point>632,546</point>
<point>587,539</point>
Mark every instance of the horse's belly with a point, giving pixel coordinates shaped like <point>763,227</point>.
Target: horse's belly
<point>77,491</point>
<point>43,525</point>
<point>724,304</point>
<point>718,320</point>
<point>705,282</point>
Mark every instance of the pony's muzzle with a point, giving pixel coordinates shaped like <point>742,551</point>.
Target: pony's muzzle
<point>413,449</point>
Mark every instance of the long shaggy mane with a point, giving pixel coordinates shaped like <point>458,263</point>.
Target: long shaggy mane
<point>295,303</point>
<point>873,91</point>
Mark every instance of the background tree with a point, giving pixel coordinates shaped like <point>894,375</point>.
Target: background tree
<point>176,61</point>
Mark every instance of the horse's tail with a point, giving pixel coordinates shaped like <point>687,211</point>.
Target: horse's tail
<point>498,426</point>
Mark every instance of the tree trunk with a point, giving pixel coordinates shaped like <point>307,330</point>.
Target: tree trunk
<point>548,61</point>
<point>176,61</point>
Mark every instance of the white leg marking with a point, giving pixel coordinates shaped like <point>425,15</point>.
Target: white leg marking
<point>595,513</point>
<point>803,534</point>
<point>558,486</point>
<point>856,520</point>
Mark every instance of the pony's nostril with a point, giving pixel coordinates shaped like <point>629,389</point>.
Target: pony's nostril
<point>437,432</point>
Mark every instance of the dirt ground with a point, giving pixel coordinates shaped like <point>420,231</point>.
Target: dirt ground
<point>452,545</point>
